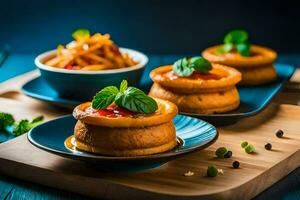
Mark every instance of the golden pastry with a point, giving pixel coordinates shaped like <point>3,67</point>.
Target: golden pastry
<point>253,61</point>
<point>202,92</point>
<point>120,129</point>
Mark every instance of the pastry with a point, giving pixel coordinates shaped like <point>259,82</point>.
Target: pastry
<point>253,61</point>
<point>125,126</point>
<point>202,92</point>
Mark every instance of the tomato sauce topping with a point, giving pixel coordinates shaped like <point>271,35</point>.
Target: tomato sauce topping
<point>195,76</point>
<point>111,111</point>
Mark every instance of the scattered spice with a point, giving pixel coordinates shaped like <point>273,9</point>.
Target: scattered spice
<point>268,146</point>
<point>236,164</point>
<point>249,148</point>
<point>220,171</point>
<point>228,154</point>
<point>279,133</point>
<point>244,144</point>
<point>212,171</point>
<point>189,173</point>
<point>221,151</point>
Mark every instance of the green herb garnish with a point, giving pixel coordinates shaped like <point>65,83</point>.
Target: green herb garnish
<point>236,40</point>
<point>221,151</point>
<point>81,33</point>
<point>212,171</point>
<point>7,122</point>
<point>244,144</point>
<point>186,67</point>
<point>6,119</point>
<point>130,98</point>
<point>249,148</point>
<point>25,125</point>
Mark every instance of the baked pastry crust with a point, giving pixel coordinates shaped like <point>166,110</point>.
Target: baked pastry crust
<point>165,113</point>
<point>259,56</point>
<point>214,92</point>
<point>125,141</point>
<point>256,69</point>
<point>228,77</point>
<point>204,103</point>
<point>140,134</point>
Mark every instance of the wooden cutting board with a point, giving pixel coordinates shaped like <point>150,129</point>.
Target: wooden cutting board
<point>258,171</point>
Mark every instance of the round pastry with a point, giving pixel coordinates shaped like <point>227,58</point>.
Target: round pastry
<point>254,62</point>
<point>117,131</point>
<point>203,93</point>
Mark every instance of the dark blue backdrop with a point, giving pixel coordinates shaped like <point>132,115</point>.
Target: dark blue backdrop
<point>185,26</point>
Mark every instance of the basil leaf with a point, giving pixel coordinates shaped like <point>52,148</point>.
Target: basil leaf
<point>225,48</point>
<point>236,37</point>
<point>243,49</point>
<point>136,100</point>
<point>79,33</point>
<point>200,64</point>
<point>38,119</point>
<point>181,67</point>
<point>104,97</point>
<point>123,86</point>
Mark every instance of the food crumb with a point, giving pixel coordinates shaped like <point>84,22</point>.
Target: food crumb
<point>220,171</point>
<point>189,173</point>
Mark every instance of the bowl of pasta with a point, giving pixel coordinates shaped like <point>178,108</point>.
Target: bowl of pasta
<point>89,62</point>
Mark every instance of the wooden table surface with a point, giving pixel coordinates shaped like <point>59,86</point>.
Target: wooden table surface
<point>288,95</point>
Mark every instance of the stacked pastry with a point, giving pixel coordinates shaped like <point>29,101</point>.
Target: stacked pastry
<point>117,129</point>
<point>253,61</point>
<point>197,86</point>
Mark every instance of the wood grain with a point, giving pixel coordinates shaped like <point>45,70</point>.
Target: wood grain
<point>258,171</point>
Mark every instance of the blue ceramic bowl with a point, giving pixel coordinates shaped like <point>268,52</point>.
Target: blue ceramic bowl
<point>83,85</point>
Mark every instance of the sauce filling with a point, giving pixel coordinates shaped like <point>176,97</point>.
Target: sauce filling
<point>111,111</point>
<point>195,76</point>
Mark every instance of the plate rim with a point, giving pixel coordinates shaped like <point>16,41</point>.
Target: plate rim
<point>164,155</point>
<point>252,112</point>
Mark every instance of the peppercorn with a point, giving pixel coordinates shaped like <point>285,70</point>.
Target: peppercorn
<point>228,154</point>
<point>220,152</point>
<point>268,146</point>
<point>236,164</point>
<point>244,144</point>
<point>249,148</point>
<point>279,133</point>
<point>212,171</point>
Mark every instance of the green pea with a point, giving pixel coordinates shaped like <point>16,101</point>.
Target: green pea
<point>220,152</point>
<point>244,144</point>
<point>249,148</point>
<point>212,171</point>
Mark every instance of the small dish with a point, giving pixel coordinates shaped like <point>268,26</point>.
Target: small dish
<point>39,89</point>
<point>81,85</point>
<point>193,133</point>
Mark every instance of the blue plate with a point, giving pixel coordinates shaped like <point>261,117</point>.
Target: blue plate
<point>253,99</point>
<point>194,134</point>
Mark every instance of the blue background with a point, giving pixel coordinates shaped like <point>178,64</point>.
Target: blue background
<point>153,26</point>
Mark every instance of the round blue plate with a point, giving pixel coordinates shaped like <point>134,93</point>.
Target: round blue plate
<point>193,133</point>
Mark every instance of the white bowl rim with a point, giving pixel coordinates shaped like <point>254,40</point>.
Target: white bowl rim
<point>143,60</point>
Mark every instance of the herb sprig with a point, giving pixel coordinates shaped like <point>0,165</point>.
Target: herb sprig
<point>236,40</point>
<point>81,34</point>
<point>130,98</point>
<point>186,66</point>
<point>7,122</point>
